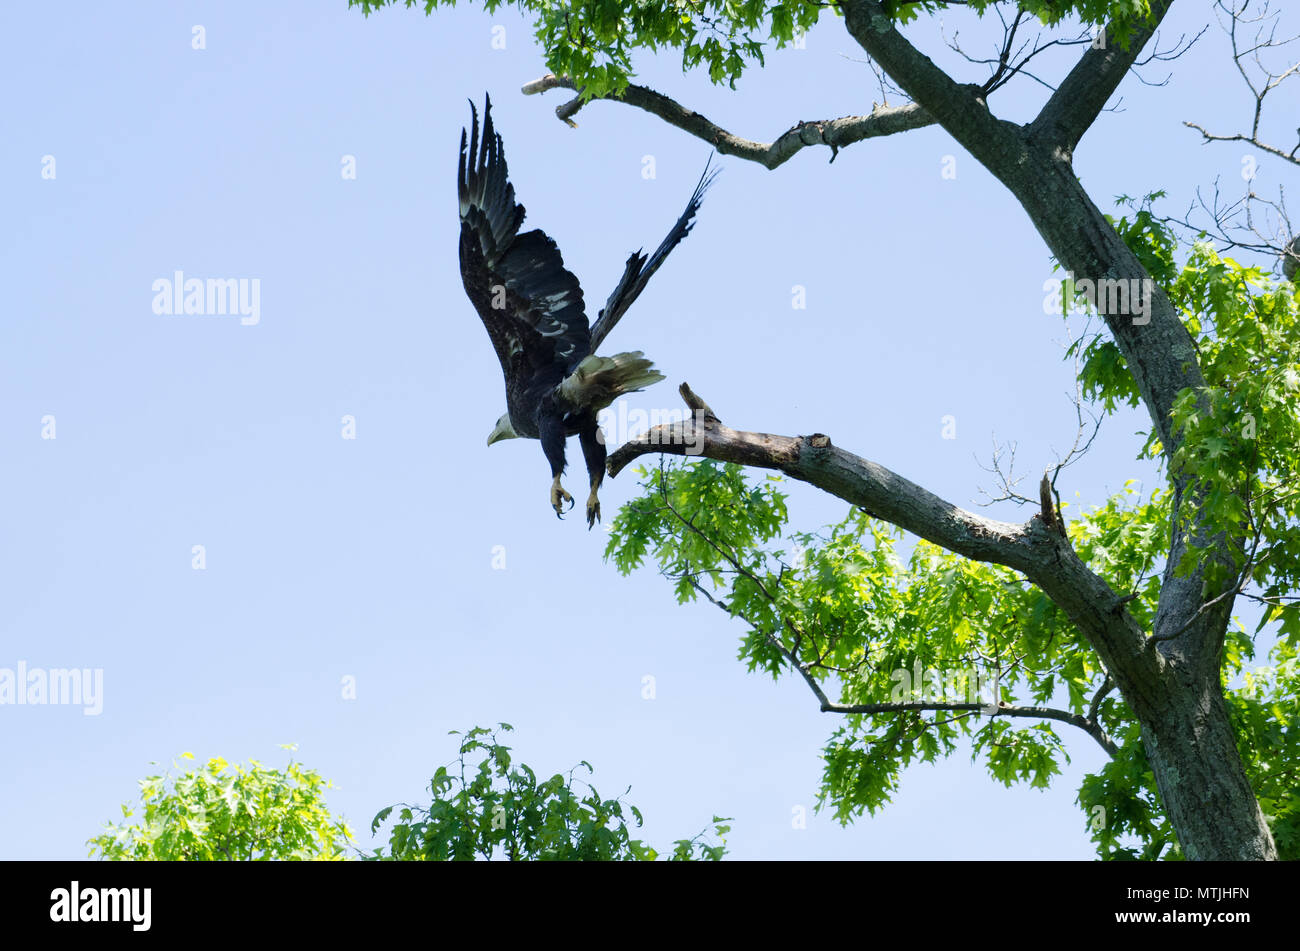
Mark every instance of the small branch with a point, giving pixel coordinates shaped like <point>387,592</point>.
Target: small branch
<point>1003,70</point>
<point>1088,724</point>
<point>1004,710</point>
<point>1107,686</point>
<point>833,133</point>
<point>790,655</point>
<point>1267,228</point>
<point>1007,480</point>
<point>1046,509</point>
<point>694,403</point>
<point>1208,137</point>
<point>1265,40</point>
<point>1243,578</point>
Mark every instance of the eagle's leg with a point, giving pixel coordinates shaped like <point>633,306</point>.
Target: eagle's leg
<point>550,428</point>
<point>559,497</point>
<point>593,451</point>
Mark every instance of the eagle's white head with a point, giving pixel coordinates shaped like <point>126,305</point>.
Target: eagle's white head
<point>504,429</point>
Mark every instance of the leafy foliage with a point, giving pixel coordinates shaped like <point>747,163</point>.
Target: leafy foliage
<point>1264,711</point>
<point>844,607</point>
<point>592,41</point>
<point>495,809</point>
<point>498,809</point>
<point>855,619</point>
<point>227,812</point>
<point>1240,433</point>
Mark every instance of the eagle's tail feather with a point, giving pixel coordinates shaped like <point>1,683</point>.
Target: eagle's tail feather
<point>598,381</point>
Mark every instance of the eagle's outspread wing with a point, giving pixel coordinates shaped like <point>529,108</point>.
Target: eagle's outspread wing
<point>533,310</point>
<point>530,304</point>
<point>639,268</point>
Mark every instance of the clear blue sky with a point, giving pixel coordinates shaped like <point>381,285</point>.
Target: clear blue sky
<point>372,558</point>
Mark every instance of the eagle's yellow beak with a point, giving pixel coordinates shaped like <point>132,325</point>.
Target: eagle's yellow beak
<point>504,429</point>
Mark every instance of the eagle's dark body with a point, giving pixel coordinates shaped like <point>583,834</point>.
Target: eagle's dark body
<point>533,310</point>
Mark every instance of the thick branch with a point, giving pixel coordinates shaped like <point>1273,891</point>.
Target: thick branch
<point>1034,549</point>
<point>1078,101</point>
<point>813,459</point>
<point>834,133</point>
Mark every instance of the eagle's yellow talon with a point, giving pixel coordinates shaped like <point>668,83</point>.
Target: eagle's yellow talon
<point>593,510</point>
<point>559,497</point>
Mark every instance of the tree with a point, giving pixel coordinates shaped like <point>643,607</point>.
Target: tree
<point>500,810</point>
<point>1126,611</point>
<point>221,812</point>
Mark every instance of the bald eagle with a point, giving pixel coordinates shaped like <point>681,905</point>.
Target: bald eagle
<point>533,311</point>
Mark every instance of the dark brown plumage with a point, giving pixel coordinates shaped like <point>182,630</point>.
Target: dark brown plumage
<point>532,308</point>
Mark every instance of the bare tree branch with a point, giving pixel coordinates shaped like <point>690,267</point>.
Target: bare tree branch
<point>834,133</point>
<point>1291,156</point>
<point>1269,79</point>
<point>1012,60</point>
<point>1251,223</point>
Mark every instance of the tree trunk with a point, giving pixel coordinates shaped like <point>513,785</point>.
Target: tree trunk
<point>1187,734</point>
<point>1192,749</point>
